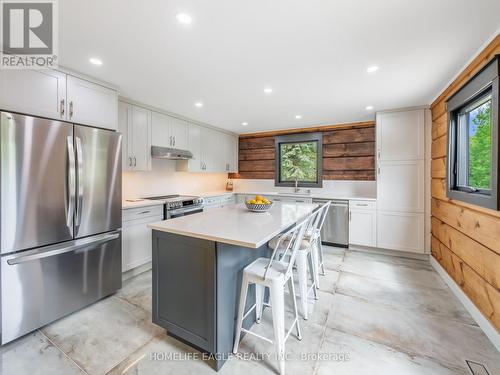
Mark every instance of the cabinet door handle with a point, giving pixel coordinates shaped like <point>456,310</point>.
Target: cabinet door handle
<point>170,141</point>
<point>71,111</point>
<point>129,161</point>
<point>174,141</point>
<point>135,161</point>
<point>350,215</point>
<point>62,110</point>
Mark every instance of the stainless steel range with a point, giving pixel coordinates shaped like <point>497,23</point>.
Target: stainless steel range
<point>180,205</point>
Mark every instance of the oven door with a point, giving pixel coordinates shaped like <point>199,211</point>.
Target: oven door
<point>172,214</point>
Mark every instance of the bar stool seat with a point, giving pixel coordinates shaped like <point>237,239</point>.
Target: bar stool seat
<point>255,272</point>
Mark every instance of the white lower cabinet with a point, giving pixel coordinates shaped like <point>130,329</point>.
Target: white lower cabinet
<point>400,231</point>
<point>363,223</point>
<point>136,236</point>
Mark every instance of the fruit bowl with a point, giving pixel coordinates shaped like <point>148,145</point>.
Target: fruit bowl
<point>259,207</point>
<point>259,204</point>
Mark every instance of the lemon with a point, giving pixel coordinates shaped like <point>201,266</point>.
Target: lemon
<point>253,201</point>
<point>258,202</point>
<point>258,197</point>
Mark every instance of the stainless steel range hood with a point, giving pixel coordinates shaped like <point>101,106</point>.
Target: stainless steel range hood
<point>158,152</point>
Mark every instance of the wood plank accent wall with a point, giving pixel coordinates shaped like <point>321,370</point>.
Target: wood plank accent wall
<point>348,152</point>
<point>465,238</point>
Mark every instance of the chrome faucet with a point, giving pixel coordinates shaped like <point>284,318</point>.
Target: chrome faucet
<point>296,189</point>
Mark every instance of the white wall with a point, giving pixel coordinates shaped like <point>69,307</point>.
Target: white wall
<point>367,189</point>
<point>164,180</point>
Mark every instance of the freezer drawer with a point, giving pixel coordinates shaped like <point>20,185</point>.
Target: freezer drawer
<point>42,285</point>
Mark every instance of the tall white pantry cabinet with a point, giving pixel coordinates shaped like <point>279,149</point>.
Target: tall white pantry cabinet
<point>401,180</point>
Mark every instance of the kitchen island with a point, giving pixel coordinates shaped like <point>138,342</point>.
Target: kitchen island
<point>198,262</point>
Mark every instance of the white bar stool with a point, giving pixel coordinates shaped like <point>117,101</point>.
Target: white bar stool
<point>272,274</point>
<point>315,238</point>
<point>306,258</point>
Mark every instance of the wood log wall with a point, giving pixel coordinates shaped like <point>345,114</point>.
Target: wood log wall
<point>465,238</point>
<point>348,152</point>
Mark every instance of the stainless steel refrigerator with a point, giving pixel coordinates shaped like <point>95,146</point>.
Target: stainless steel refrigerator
<point>60,212</point>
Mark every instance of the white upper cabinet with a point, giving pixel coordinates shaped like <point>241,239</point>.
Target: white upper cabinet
<point>231,157</point>
<point>179,133</point>
<point>124,119</point>
<point>194,145</point>
<point>135,125</point>
<point>160,130</point>
<point>34,92</point>
<point>91,104</point>
<point>169,131</point>
<point>141,138</point>
<point>400,135</point>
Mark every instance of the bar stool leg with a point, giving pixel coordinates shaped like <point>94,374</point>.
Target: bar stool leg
<point>278,299</point>
<point>312,272</point>
<point>315,264</point>
<point>291,287</point>
<point>241,312</point>
<point>321,261</point>
<point>302,276</point>
<point>259,301</point>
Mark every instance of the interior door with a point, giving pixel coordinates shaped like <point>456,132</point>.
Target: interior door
<point>99,181</point>
<point>36,182</point>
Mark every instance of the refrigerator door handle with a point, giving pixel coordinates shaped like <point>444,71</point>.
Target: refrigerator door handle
<point>79,161</point>
<point>59,249</point>
<point>71,183</point>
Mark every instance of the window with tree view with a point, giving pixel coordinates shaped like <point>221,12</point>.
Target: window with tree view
<point>299,159</point>
<point>473,140</point>
<point>474,146</point>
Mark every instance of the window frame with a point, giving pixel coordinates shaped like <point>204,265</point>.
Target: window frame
<point>299,138</point>
<point>484,83</point>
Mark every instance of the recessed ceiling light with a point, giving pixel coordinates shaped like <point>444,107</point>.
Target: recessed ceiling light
<point>298,117</point>
<point>268,90</point>
<point>372,69</point>
<point>198,104</point>
<point>244,123</point>
<point>95,61</point>
<point>184,18</point>
<point>369,108</point>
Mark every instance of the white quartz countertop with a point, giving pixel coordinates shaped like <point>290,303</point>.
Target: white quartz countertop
<point>236,225</point>
<point>136,203</point>
<point>314,195</point>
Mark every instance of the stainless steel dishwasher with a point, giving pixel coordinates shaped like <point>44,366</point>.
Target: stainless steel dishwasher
<point>335,230</point>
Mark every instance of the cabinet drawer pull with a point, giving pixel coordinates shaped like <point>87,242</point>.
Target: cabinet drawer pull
<point>144,212</point>
<point>361,204</point>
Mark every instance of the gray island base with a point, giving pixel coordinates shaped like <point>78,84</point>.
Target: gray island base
<point>198,263</point>
<point>196,286</point>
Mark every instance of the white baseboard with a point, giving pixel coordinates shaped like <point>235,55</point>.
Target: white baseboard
<point>394,253</point>
<point>483,323</point>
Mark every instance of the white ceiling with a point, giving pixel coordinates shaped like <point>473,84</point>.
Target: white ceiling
<point>313,53</point>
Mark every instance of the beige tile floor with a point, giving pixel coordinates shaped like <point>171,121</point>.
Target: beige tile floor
<point>376,314</point>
